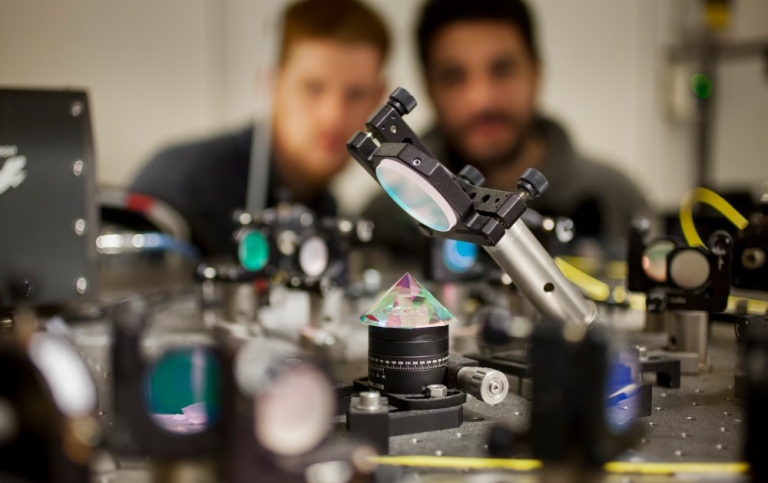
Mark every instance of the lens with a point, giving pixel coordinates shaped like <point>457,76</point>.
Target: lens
<point>253,251</point>
<point>293,413</point>
<point>294,400</point>
<point>689,269</point>
<point>415,195</point>
<point>458,256</point>
<point>71,385</point>
<point>406,361</point>
<point>655,259</point>
<point>313,256</point>
<point>182,389</point>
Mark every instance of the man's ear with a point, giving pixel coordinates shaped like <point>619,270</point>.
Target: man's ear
<point>265,80</point>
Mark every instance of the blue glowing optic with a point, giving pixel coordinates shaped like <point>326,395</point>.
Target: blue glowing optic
<point>459,256</point>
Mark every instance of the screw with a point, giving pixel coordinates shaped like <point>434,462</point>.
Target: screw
<point>79,226</point>
<point>436,390</point>
<point>245,218</point>
<point>369,401</point>
<point>393,129</point>
<point>691,418</point>
<point>78,167</point>
<point>76,108</point>
<point>719,446</point>
<point>81,285</point>
<point>678,453</point>
<point>416,162</point>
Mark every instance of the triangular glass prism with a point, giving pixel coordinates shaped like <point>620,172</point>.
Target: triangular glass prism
<point>407,305</point>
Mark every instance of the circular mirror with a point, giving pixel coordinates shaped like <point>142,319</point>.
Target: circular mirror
<point>655,259</point>
<point>182,389</point>
<point>253,251</point>
<point>294,401</point>
<point>313,256</point>
<point>415,195</point>
<point>65,373</point>
<point>689,269</point>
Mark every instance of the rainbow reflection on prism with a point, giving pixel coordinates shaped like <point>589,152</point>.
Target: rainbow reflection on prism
<point>407,305</point>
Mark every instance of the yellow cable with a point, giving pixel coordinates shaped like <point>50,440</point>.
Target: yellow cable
<point>599,290</point>
<point>592,287</point>
<point>616,467</point>
<point>458,462</point>
<point>709,197</point>
<point>753,306</point>
<point>624,468</point>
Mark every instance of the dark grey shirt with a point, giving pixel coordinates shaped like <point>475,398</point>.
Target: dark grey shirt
<point>601,200</point>
<point>206,181</point>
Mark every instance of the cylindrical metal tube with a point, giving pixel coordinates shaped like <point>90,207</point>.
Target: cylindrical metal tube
<point>689,332</point>
<point>534,272</point>
<point>487,385</point>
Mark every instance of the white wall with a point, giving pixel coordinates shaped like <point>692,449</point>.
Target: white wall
<point>150,68</point>
<point>159,71</point>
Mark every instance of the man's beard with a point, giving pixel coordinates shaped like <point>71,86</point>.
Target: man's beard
<point>505,156</point>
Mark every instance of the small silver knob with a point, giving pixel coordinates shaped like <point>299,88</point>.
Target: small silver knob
<point>487,385</point>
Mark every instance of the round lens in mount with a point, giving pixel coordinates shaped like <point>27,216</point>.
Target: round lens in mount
<point>413,193</point>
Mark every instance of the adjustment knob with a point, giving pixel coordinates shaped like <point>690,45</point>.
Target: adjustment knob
<point>656,302</point>
<point>472,175</point>
<point>502,442</point>
<point>402,100</point>
<point>487,385</point>
<point>533,182</point>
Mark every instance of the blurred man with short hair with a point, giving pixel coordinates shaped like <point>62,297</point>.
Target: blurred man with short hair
<point>482,68</point>
<point>328,81</point>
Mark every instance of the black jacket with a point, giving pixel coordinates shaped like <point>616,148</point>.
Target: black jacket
<point>206,181</point>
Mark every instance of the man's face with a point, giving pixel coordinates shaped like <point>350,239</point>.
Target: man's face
<point>324,92</point>
<point>483,83</point>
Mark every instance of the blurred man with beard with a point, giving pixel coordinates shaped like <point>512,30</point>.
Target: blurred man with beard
<point>328,81</point>
<point>482,69</point>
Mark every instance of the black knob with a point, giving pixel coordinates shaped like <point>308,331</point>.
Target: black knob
<point>746,327</point>
<point>494,327</point>
<point>533,182</point>
<point>402,100</point>
<point>502,442</point>
<point>472,175</point>
<point>656,302</point>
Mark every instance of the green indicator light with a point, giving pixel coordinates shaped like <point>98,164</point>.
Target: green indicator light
<point>253,251</point>
<point>701,86</point>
